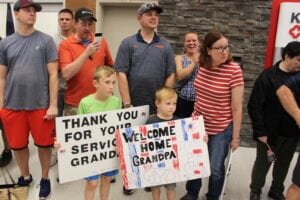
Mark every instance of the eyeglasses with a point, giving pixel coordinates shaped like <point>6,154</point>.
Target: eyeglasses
<point>222,49</point>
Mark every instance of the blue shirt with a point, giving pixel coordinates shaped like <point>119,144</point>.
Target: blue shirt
<point>185,87</point>
<point>294,84</point>
<point>147,66</point>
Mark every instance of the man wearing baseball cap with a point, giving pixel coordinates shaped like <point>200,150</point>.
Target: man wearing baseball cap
<point>79,55</point>
<point>154,55</point>
<point>28,94</point>
<point>26,3</point>
<point>144,63</point>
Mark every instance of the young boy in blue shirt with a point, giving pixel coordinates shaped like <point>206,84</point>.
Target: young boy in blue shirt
<point>165,102</point>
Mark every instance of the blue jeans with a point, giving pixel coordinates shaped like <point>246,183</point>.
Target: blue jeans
<point>218,146</point>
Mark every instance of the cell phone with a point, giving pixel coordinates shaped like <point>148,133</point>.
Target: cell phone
<point>270,154</point>
<point>98,37</point>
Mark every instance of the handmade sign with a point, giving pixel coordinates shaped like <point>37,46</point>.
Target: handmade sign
<point>162,153</point>
<point>88,143</point>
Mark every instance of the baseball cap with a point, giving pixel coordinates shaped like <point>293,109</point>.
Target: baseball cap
<point>25,3</point>
<point>149,6</point>
<point>84,14</point>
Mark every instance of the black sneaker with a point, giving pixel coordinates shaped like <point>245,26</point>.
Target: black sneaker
<point>127,191</point>
<point>254,196</point>
<point>45,188</point>
<point>187,196</point>
<point>25,182</point>
<point>147,189</point>
<point>5,157</point>
<point>276,196</point>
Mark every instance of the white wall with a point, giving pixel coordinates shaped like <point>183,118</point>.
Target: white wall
<point>3,8</point>
<point>47,22</point>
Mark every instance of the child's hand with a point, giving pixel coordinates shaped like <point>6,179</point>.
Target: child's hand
<point>56,145</point>
<point>117,150</point>
<point>205,138</point>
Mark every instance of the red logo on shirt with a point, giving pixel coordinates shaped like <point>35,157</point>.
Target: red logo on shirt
<point>159,46</point>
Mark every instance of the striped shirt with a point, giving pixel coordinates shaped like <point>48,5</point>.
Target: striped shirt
<point>213,95</point>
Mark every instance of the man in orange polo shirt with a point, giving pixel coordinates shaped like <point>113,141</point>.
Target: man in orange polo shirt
<point>79,55</point>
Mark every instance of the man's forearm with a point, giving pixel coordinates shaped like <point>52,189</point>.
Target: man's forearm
<point>288,102</point>
<point>73,68</point>
<point>123,87</point>
<point>170,81</point>
<point>2,84</point>
<point>53,83</point>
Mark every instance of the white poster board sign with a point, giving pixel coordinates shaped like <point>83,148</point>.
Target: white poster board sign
<point>88,141</point>
<point>288,27</point>
<point>162,153</point>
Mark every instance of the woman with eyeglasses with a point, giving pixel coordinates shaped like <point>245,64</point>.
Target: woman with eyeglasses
<point>219,87</point>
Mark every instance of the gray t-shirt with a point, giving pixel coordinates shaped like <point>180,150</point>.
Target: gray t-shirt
<point>147,67</point>
<point>26,59</point>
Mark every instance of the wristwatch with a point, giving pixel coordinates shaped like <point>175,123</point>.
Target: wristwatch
<point>237,140</point>
<point>127,105</point>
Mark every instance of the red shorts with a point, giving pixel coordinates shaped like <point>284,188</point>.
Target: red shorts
<point>18,124</point>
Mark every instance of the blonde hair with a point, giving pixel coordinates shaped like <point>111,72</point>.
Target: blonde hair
<point>165,93</point>
<point>102,71</point>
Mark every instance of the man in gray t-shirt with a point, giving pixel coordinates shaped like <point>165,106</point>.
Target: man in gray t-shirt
<point>6,155</point>
<point>28,92</point>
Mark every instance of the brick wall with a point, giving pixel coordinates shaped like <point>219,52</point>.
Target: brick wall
<point>244,22</point>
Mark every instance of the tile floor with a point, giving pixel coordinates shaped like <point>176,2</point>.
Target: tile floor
<point>237,186</point>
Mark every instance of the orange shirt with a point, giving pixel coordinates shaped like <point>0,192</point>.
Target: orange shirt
<point>81,84</point>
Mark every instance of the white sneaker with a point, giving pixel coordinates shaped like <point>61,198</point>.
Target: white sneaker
<point>53,160</point>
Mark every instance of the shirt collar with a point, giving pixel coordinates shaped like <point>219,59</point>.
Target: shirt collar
<point>73,39</point>
<point>139,37</point>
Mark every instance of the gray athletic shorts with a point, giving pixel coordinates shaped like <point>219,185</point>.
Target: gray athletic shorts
<point>170,186</point>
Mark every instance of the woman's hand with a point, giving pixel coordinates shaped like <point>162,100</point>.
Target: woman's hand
<point>235,143</point>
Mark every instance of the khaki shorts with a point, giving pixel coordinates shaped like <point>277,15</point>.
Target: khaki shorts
<point>70,110</point>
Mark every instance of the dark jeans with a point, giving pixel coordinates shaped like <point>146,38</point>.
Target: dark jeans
<point>284,149</point>
<point>218,146</point>
<point>184,108</point>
